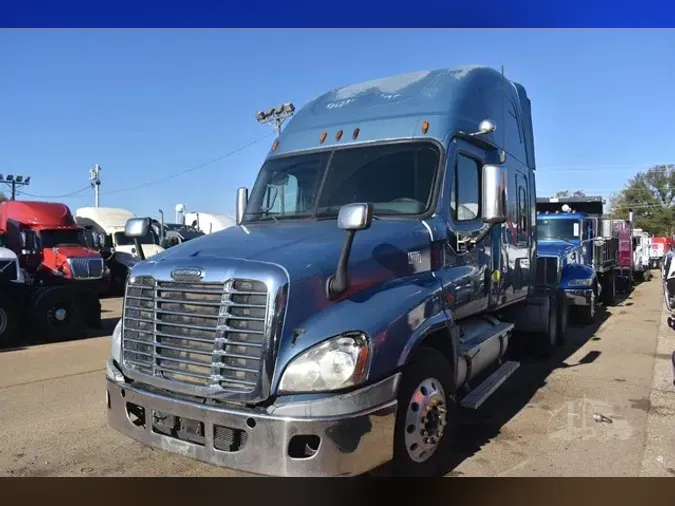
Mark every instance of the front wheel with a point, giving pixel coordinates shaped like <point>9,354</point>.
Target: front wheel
<point>57,314</point>
<point>9,321</point>
<point>587,313</point>
<point>427,416</point>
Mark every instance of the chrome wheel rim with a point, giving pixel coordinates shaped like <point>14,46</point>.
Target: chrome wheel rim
<point>426,418</point>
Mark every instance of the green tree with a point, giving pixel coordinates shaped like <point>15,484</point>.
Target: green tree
<point>651,197</point>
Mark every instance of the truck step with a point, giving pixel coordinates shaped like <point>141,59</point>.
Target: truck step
<point>480,394</point>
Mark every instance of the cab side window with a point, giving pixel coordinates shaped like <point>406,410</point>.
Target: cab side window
<point>465,193</point>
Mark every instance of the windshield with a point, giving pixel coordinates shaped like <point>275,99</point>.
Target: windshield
<point>149,238</point>
<point>562,230</point>
<point>62,237</point>
<point>398,179</point>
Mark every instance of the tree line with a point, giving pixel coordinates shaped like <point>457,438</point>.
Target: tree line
<point>650,194</point>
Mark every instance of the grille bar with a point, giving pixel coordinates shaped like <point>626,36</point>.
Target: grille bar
<point>203,334</point>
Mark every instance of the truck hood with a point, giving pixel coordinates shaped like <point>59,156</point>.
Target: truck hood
<point>308,248</point>
<point>554,248</point>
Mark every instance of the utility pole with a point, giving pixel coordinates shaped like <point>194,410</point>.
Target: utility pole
<point>276,116</point>
<point>13,181</point>
<point>95,179</point>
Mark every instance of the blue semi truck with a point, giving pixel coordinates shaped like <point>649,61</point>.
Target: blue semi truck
<point>382,262</point>
<point>574,231</point>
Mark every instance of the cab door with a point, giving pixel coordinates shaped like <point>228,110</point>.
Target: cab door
<point>466,269</point>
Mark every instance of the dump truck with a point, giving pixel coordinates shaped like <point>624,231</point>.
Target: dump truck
<point>574,229</point>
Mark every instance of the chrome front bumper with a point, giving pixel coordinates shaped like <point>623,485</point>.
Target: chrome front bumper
<point>357,439</point>
<point>579,296</point>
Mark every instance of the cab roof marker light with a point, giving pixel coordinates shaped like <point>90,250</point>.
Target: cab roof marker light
<point>275,145</point>
<point>425,127</point>
<point>322,138</point>
<point>355,133</point>
<point>338,135</point>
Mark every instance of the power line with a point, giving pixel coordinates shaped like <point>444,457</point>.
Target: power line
<point>210,162</point>
<point>53,196</point>
<point>77,193</point>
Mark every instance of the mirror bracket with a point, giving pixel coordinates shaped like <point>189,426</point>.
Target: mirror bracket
<point>351,218</point>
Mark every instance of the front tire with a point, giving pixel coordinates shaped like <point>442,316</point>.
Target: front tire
<point>427,416</point>
<point>587,313</point>
<point>57,314</point>
<point>9,321</point>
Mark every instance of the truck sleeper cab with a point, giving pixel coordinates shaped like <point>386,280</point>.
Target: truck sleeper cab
<point>287,345</point>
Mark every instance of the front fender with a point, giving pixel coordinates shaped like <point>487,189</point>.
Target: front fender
<point>573,272</point>
<point>395,316</point>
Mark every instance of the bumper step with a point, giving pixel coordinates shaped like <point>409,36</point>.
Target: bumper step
<point>482,392</point>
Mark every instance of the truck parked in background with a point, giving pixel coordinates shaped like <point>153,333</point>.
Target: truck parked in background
<point>208,223</point>
<point>111,220</point>
<point>348,327</point>
<point>659,247</point>
<point>572,228</point>
<point>63,275</point>
<point>641,254</point>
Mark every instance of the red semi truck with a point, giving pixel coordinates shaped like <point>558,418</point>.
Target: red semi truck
<point>63,275</point>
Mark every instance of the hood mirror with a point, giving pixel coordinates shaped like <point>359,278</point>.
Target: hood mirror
<point>355,217</point>
<point>137,228</point>
<point>242,201</point>
<point>351,218</point>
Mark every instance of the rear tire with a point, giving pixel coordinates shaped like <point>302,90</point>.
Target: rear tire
<point>609,290</point>
<point>427,416</point>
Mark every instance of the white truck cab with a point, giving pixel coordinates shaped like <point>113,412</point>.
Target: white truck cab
<point>209,223</point>
<point>112,220</point>
<point>10,270</point>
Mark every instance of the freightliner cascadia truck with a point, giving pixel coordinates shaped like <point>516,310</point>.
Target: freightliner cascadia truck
<point>349,329</point>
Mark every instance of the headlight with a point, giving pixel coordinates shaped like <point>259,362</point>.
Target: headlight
<point>116,343</point>
<point>580,282</point>
<point>337,363</point>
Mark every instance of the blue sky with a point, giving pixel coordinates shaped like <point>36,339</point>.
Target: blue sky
<point>146,104</point>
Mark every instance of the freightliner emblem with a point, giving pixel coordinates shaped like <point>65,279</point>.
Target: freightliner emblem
<point>187,274</point>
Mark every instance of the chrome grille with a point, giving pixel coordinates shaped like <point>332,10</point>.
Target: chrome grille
<point>547,271</point>
<point>86,268</point>
<point>204,334</point>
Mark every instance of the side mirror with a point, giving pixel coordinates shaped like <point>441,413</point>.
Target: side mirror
<point>494,194</point>
<point>355,217</point>
<point>137,227</point>
<point>242,200</point>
